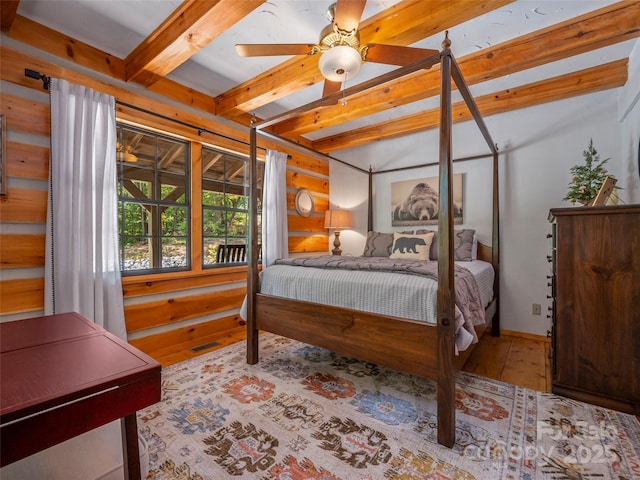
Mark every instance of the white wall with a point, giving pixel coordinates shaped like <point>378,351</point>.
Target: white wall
<point>629,116</point>
<point>96,454</point>
<point>538,147</point>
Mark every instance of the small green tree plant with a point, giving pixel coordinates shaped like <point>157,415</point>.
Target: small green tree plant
<point>587,178</point>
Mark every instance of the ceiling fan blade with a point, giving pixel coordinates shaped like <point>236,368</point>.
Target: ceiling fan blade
<point>348,13</point>
<point>331,87</point>
<point>269,49</point>
<point>395,54</point>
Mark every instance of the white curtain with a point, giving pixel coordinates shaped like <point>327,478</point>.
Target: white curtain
<point>274,209</point>
<point>82,266</point>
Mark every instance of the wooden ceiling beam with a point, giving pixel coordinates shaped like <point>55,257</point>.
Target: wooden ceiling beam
<point>14,63</point>
<point>68,48</point>
<point>8,9</point>
<point>402,24</point>
<point>190,27</point>
<point>606,26</point>
<point>44,38</point>
<point>590,80</point>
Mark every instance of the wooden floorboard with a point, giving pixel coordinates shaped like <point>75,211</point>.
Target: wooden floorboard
<point>547,366</point>
<point>511,359</point>
<point>525,365</point>
<point>489,357</point>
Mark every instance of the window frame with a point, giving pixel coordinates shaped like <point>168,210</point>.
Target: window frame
<point>166,128</point>
<point>157,207</point>
<point>246,211</point>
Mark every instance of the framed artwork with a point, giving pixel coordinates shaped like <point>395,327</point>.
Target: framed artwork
<point>415,202</point>
<point>3,155</point>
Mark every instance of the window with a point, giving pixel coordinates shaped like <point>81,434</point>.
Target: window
<point>153,201</point>
<point>225,207</point>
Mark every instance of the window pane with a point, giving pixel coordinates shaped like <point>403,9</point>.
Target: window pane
<point>234,170</point>
<point>210,249</point>
<point>238,202</point>
<point>136,147</point>
<point>214,223</point>
<point>171,170</point>
<point>136,253</point>
<point>171,155</point>
<point>213,199</point>
<point>174,221</point>
<point>260,174</point>
<point>153,200</point>
<point>174,252</point>
<point>237,225</point>
<point>225,201</point>
<point>212,165</point>
<point>136,219</point>
<point>132,187</point>
<point>170,192</point>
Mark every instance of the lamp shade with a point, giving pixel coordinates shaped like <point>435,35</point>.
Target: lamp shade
<point>338,219</point>
<point>340,63</point>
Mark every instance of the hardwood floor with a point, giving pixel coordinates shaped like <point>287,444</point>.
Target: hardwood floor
<point>519,359</point>
<point>522,360</point>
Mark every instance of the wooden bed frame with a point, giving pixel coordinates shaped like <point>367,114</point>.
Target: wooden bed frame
<point>418,348</point>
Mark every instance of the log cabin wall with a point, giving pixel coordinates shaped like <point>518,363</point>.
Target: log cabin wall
<point>166,314</point>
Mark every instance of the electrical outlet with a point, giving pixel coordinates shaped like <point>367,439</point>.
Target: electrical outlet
<point>537,309</point>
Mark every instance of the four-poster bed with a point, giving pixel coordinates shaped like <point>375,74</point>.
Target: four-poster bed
<point>422,349</point>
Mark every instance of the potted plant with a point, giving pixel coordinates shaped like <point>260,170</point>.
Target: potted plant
<point>588,178</point>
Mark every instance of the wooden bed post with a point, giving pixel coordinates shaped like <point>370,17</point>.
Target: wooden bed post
<point>446,295</point>
<point>252,272</point>
<point>370,207</point>
<point>463,88</point>
<point>495,246</point>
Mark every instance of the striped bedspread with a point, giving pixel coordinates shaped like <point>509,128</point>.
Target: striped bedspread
<point>400,288</point>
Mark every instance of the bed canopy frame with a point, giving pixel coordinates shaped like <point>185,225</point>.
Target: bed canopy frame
<point>407,340</point>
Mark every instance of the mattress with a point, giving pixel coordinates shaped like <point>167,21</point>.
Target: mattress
<point>484,274</point>
<point>388,293</point>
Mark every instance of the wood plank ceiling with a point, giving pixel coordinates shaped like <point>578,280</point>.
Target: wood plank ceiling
<point>194,24</point>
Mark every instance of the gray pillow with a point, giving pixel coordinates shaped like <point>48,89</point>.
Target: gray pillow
<point>378,244</point>
<point>462,244</point>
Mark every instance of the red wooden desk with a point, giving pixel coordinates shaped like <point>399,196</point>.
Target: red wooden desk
<point>62,375</point>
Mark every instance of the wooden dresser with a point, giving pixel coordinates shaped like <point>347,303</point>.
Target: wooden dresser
<point>596,305</point>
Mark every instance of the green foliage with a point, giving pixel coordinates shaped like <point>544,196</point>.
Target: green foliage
<point>587,178</point>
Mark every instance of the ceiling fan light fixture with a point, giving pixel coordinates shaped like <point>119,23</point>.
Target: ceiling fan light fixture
<point>340,63</point>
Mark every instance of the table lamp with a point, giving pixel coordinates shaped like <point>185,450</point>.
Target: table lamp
<point>337,219</point>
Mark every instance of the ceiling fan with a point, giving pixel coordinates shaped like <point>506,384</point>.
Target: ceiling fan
<point>341,54</point>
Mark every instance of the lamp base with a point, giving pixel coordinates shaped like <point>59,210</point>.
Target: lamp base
<point>336,244</point>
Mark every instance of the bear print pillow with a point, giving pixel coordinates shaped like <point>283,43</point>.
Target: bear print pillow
<point>411,247</point>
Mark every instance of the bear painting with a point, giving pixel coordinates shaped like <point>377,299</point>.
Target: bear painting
<point>416,202</point>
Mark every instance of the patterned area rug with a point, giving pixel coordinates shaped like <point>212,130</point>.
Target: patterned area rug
<point>306,413</point>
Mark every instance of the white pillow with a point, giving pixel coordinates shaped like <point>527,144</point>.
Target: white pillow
<point>411,247</point>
